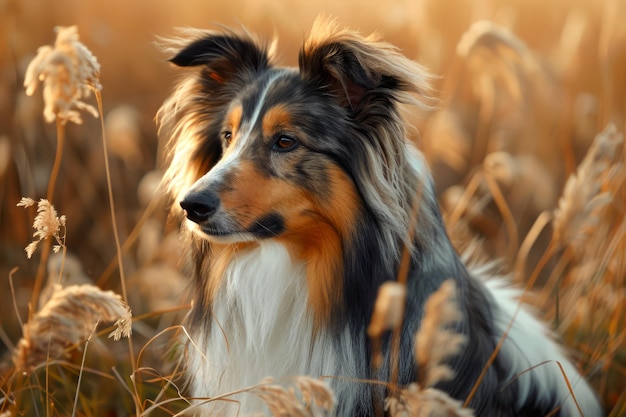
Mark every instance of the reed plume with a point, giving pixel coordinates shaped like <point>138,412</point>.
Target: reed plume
<point>590,193</point>
<point>47,224</point>
<point>69,71</point>
<point>307,397</point>
<point>388,315</point>
<point>67,319</point>
<point>435,342</point>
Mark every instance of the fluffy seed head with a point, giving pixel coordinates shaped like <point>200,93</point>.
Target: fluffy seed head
<point>68,318</point>
<point>68,71</point>
<point>311,398</point>
<point>437,339</point>
<point>46,224</point>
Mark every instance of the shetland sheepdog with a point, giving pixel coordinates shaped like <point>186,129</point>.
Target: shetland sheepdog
<point>298,186</point>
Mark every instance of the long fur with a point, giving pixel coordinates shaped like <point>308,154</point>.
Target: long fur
<point>299,186</point>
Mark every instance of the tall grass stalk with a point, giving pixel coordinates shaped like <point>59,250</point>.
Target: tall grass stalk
<point>47,244</point>
<point>403,273</point>
<point>118,246</point>
<point>80,373</point>
<point>68,70</point>
<point>129,241</point>
<point>17,311</point>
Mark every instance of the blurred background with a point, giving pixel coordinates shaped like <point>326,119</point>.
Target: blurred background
<point>524,87</point>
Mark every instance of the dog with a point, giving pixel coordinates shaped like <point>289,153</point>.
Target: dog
<point>298,187</point>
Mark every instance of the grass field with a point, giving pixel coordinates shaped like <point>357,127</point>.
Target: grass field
<point>526,146</point>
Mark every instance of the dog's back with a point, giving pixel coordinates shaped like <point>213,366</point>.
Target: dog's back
<point>301,194</point>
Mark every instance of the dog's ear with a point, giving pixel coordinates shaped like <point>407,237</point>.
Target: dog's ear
<point>225,55</point>
<point>356,69</point>
<point>190,120</point>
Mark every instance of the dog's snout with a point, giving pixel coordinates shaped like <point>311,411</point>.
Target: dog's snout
<point>199,206</point>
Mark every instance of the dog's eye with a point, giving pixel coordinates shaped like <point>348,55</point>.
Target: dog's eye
<point>285,144</point>
<point>227,136</point>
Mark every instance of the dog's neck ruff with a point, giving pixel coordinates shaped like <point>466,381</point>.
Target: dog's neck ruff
<point>261,327</point>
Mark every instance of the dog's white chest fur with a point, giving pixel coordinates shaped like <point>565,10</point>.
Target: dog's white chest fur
<point>261,327</point>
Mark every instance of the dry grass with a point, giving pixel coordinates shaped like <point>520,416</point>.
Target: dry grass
<point>68,318</point>
<point>435,343</point>
<point>533,107</point>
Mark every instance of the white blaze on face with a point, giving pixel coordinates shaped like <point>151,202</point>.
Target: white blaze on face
<point>233,153</point>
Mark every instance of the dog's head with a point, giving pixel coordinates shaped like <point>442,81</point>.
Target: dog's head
<point>258,151</point>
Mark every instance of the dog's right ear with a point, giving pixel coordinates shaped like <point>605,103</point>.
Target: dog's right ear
<point>225,55</point>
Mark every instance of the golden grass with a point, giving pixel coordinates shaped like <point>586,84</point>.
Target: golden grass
<point>68,318</point>
<point>533,107</point>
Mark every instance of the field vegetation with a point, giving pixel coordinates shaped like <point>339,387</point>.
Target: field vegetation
<point>526,146</point>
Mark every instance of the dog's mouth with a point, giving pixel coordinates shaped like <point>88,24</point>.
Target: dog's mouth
<point>266,227</point>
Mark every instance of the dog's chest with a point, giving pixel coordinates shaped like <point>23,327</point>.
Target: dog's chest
<point>261,327</point>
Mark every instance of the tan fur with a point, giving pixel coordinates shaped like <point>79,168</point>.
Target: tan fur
<point>275,120</point>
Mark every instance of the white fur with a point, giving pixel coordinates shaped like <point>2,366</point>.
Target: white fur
<point>528,344</point>
<point>261,327</point>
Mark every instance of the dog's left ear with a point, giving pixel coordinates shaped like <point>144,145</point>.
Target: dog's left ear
<point>356,69</point>
<point>225,56</point>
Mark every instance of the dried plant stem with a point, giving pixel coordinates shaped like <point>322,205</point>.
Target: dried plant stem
<point>531,281</point>
<point>47,244</point>
<point>111,199</point>
<point>116,237</point>
<point>125,385</point>
<point>161,312</point>
<point>405,261</point>
<point>505,211</point>
<point>57,160</point>
<point>612,248</point>
<point>62,267</point>
<point>4,338</point>
<point>405,264</point>
<point>531,237</point>
<point>168,380</point>
<point>48,379</point>
<point>80,373</point>
<point>464,202</point>
<point>403,272</point>
<point>569,387</point>
<point>565,378</point>
<point>158,400</point>
<point>32,394</point>
<point>17,311</point>
<point>485,121</point>
<point>397,332</point>
<point>551,287</point>
<point>132,237</point>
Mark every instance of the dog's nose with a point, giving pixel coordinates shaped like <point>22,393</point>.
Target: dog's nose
<point>199,206</point>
